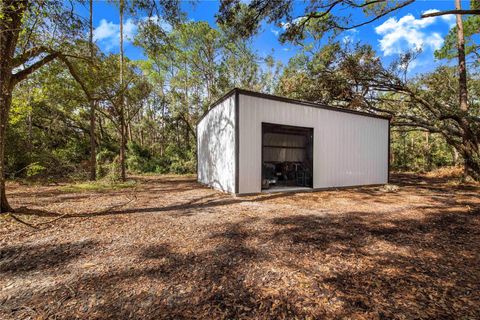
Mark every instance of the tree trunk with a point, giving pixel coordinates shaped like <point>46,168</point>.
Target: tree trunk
<point>469,149</point>
<point>100,127</point>
<point>123,175</point>
<point>462,78</point>
<point>11,13</point>
<point>428,152</point>
<point>122,101</point>
<point>470,152</point>
<point>455,156</point>
<point>93,151</point>
<point>5,103</point>
<point>30,133</point>
<point>471,159</point>
<point>93,142</point>
<point>462,68</point>
<point>130,132</point>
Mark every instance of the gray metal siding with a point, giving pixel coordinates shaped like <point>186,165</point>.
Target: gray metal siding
<point>216,147</point>
<point>349,149</point>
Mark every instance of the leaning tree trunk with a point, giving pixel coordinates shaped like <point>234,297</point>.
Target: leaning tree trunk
<point>469,149</point>
<point>470,152</point>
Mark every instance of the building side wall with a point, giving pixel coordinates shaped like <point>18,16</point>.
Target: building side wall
<point>216,147</point>
<point>349,149</point>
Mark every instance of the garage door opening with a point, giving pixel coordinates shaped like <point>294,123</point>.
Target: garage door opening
<point>287,157</point>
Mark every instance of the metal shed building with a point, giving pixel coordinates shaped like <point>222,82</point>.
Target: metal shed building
<point>250,142</point>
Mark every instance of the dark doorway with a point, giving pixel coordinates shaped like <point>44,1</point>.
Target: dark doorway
<point>287,157</point>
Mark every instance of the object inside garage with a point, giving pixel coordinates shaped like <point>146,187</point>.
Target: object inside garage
<point>287,157</point>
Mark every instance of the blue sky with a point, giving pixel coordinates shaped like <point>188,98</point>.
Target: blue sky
<point>389,36</point>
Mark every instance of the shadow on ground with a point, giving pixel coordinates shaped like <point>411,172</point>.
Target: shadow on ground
<point>35,258</point>
<point>284,264</point>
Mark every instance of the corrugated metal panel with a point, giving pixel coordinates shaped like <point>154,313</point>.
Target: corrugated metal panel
<point>216,147</point>
<point>284,140</point>
<point>349,149</point>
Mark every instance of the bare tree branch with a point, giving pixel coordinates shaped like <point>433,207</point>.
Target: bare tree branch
<point>29,54</point>
<point>442,13</point>
<point>21,75</point>
<point>76,76</point>
<point>399,6</point>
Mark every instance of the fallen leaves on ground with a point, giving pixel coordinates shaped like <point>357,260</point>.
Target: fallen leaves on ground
<point>180,250</point>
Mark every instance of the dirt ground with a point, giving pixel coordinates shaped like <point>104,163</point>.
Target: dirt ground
<point>170,248</point>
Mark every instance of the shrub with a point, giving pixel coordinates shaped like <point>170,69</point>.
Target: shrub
<point>34,169</point>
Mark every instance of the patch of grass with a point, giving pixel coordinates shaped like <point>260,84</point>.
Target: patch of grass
<point>98,186</point>
<point>166,175</point>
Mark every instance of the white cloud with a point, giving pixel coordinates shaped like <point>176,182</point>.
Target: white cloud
<point>129,29</point>
<point>104,30</point>
<point>450,19</point>
<point>275,32</point>
<point>350,36</point>
<point>408,33</point>
<point>347,39</point>
<point>108,33</point>
<point>161,22</point>
<point>286,25</point>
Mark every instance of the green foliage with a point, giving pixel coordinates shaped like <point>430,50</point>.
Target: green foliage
<point>34,169</point>
<point>420,151</point>
<point>43,131</point>
<point>174,160</point>
<point>353,77</point>
<point>315,19</point>
<point>105,156</point>
<point>112,170</point>
<point>187,68</point>
<point>139,159</point>
<point>471,28</point>
<point>179,160</point>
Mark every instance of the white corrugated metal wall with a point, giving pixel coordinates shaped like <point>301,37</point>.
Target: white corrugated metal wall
<point>216,147</point>
<point>349,149</point>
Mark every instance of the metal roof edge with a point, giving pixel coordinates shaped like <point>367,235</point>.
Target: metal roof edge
<point>309,104</point>
<point>288,100</point>
<point>217,102</point>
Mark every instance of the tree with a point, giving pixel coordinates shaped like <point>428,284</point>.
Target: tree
<point>120,103</point>
<point>168,10</point>
<point>121,99</point>
<point>245,20</point>
<point>48,126</point>
<point>22,52</point>
<point>454,47</point>
<point>189,66</point>
<point>462,67</point>
<point>93,152</point>
<point>355,78</point>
